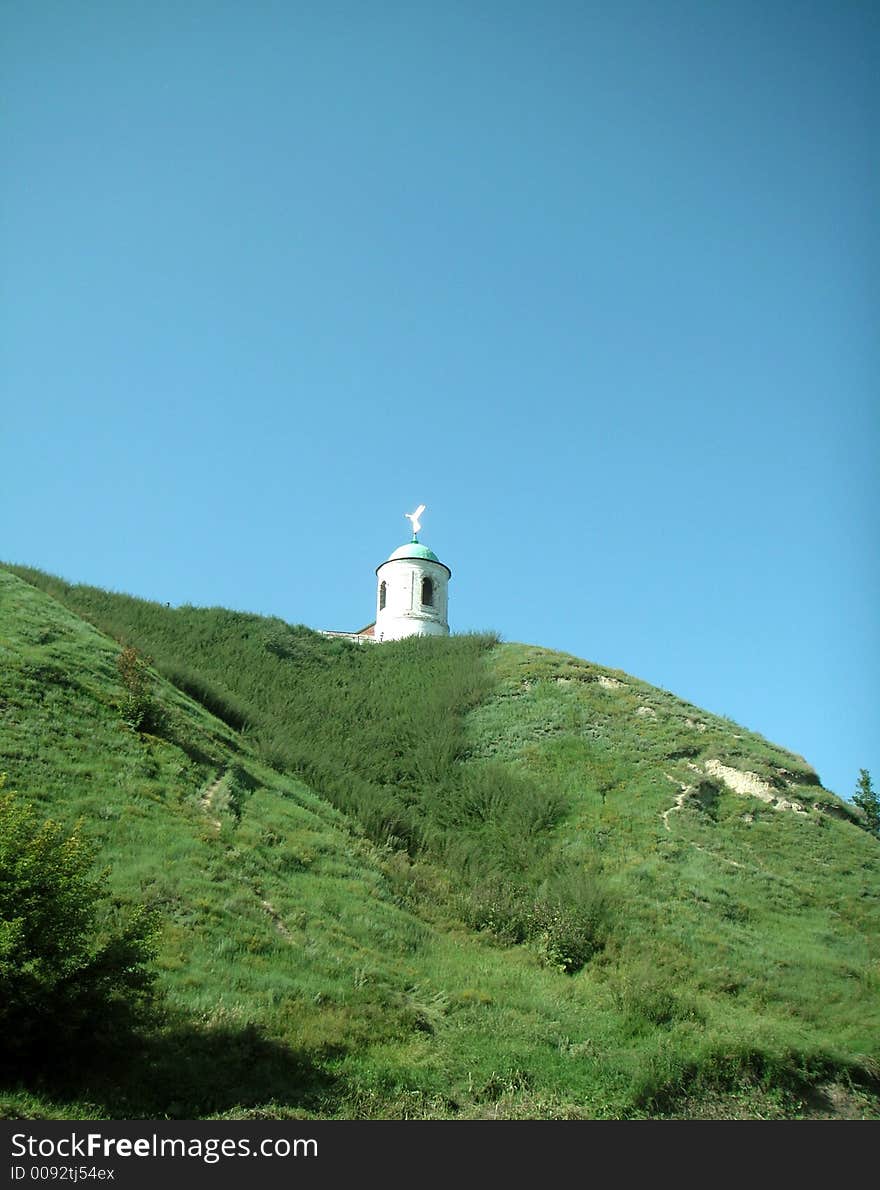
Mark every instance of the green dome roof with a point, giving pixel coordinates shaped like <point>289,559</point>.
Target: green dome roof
<point>413,549</point>
<point>416,551</point>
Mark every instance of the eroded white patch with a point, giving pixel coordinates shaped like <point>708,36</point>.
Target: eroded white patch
<point>751,785</point>
<point>609,683</point>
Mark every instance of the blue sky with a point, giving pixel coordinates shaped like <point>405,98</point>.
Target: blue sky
<point>595,282</point>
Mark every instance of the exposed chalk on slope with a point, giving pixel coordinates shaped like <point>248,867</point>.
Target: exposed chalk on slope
<point>749,784</point>
<point>609,683</point>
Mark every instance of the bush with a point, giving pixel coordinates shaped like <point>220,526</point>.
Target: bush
<point>568,932</point>
<point>569,935</point>
<point>66,972</point>
<point>138,708</point>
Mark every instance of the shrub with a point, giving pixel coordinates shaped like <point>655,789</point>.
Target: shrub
<point>66,971</point>
<point>138,708</point>
<point>569,935</point>
<point>568,932</point>
<point>499,907</point>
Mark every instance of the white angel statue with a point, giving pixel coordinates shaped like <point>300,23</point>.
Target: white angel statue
<point>413,517</point>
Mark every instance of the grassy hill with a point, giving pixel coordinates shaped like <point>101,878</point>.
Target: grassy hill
<point>439,878</point>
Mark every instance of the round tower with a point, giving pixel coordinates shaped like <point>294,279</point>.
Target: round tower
<point>411,591</point>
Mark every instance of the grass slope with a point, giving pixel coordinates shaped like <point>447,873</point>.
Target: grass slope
<point>441,878</point>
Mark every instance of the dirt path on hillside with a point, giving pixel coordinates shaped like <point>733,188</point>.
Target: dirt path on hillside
<point>206,801</point>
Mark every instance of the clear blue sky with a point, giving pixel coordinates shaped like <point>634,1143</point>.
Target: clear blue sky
<point>597,282</point>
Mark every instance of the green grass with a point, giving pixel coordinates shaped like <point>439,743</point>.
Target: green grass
<point>434,879</point>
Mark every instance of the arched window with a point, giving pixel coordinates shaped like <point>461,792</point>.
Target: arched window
<point>427,593</point>
<point>382,592</point>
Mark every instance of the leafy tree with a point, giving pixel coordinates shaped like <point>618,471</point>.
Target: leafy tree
<point>866,799</point>
<point>68,971</point>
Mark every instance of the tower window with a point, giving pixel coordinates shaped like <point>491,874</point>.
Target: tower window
<point>382,593</point>
<point>427,592</point>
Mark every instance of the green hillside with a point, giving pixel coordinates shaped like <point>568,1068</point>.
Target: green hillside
<point>436,878</point>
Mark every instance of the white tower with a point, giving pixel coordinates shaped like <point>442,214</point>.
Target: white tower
<point>411,593</point>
